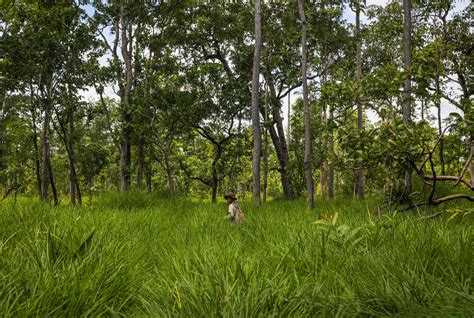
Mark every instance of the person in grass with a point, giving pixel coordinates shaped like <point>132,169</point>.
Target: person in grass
<point>234,214</point>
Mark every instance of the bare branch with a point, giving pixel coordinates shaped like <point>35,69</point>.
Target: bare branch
<point>468,161</point>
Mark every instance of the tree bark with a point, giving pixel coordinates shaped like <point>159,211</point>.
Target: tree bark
<point>331,152</point>
<point>360,127</point>
<point>53,185</point>
<point>407,85</point>
<point>74,182</point>
<point>75,187</point>
<point>288,124</point>
<point>265,158</point>
<point>279,141</point>
<point>148,173</point>
<point>257,142</point>
<point>126,49</point>
<point>36,153</point>
<point>169,175</point>
<point>307,117</point>
<point>141,164</point>
<point>472,162</point>
<point>215,179</point>
<point>440,126</point>
<point>46,150</point>
<point>324,175</point>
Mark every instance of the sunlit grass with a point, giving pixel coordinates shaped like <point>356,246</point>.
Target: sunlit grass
<point>139,255</point>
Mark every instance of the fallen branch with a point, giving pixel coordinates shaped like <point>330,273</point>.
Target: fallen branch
<point>432,216</point>
<point>453,197</point>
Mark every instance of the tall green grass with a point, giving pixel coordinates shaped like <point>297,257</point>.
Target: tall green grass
<point>139,255</point>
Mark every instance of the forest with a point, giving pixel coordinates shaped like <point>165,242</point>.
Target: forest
<point>344,129</point>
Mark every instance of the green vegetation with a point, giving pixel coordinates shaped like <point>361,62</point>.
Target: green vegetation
<point>174,103</point>
<point>134,254</point>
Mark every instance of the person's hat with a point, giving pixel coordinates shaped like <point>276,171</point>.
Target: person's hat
<point>230,195</point>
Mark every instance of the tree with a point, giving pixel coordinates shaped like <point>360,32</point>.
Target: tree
<point>257,138</point>
<point>360,125</point>
<point>307,118</point>
<point>407,85</point>
<point>44,45</point>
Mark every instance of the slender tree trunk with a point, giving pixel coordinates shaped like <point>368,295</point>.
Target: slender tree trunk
<point>169,175</point>
<point>215,179</point>
<point>440,126</point>
<point>360,126</point>
<point>53,184</point>
<point>324,174</point>
<point>307,117</point>
<point>125,156</point>
<point>265,158</point>
<point>257,143</point>
<point>141,164</point>
<point>148,173</point>
<point>324,179</point>
<point>36,153</point>
<point>331,152</point>
<point>472,162</point>
<point>46,149</point>
<point>407,87</point>
<point>74,182</point>
<point>288,125</point>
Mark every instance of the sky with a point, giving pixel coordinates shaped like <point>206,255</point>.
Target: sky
<point>349,16</point>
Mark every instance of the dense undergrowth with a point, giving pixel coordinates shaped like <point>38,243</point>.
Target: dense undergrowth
<point>138,255</point>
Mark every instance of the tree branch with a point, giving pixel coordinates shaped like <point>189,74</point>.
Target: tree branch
<point>280,96</point>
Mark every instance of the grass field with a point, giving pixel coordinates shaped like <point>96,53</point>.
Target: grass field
<point>136,255</point>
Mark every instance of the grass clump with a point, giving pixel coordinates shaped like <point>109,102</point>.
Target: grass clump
<point>146,256</point>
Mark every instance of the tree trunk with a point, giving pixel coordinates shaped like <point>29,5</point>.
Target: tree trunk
<point>331,152</point>
<point>324,179</point>
<point>46,149</point>
<point>288,124</point>
<point>148,173</point>
<point>141,164</point>
<point>407,86</point>
<point>169,175</point>
<point>125,155</point>
<point>265,158</point>
<point>440,126</point>
<point>472,162</point>
<point>307,117</point>
<point>279,141</point>
<point>36,153</point>
<point>74,182</point>
<point>215,179</point>
<point>324,173</point>
<point>53,185</point>
<point>360,127</point>
<point>257,143</point>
